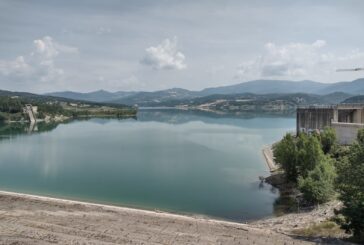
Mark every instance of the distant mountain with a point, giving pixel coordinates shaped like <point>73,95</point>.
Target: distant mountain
<point>146,98</point>
<point>354,87</point>
<point>355,99</point>
<point>267,86</point>
<point>96,96</point>
<point>293,99</point>
<point>278,86</point>
<point>36,98</point>
<point>258,87</point>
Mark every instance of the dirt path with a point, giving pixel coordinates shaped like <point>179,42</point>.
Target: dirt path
<point>26,219</point>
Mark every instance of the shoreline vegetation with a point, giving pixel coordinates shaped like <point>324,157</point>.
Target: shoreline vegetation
<point>312,171</point>
<point>52,109</point>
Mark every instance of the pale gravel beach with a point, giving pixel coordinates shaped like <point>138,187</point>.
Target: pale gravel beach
<point>29,219</point>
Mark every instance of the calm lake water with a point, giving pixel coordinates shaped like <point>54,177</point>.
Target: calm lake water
<point>178,161</point>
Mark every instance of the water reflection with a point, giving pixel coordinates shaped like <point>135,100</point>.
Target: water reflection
<point>177,161</point>
<point>8,130</point>
<point>176,116</point>
<point>168,115</point>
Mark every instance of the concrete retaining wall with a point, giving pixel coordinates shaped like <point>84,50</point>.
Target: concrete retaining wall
<point>346,132</point>
<point>309,119</point>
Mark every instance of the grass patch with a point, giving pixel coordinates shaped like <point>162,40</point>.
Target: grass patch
<point>323,229</point>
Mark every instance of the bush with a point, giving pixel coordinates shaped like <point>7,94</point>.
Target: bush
<point>328,139</point>
<point>285,154</point>
<point>310,154</point>
<point>318,186</point>
<point>298,156</point>
<point>360,136</point>
<point>351,188</point>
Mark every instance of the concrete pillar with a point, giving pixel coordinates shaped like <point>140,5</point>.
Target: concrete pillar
<point>336,115</point>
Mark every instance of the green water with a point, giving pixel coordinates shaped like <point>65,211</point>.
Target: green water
<point>184,162</point>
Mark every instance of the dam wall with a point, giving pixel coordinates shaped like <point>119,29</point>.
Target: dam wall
<point>345,119</point>
<point>346,132</point>
<point>309,119</point>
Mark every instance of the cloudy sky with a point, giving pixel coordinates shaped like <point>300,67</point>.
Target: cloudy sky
<point>48,45</point>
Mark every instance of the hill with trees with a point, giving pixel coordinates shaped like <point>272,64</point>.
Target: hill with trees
<point>179,95</point>
<point>12,104</point>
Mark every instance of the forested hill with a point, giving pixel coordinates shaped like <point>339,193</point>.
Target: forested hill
<point>12,104</point>
<point>291,100</point>
<point>258,87</point>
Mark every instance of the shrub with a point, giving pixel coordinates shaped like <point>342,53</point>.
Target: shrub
<point>318,186</point>
<point>285,154</point>
<point>351,188</point>
<point>328,139</point>
<point>310,154</point>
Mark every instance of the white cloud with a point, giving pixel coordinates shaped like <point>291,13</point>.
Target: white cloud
<point>165,56</point>
<point>45,47</point>
<point>39,65</point>
<point>15,66</point>
<point>103,30</point>
<point>296,61</point>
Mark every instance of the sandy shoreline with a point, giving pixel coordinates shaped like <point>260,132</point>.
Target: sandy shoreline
<point>31,219</point>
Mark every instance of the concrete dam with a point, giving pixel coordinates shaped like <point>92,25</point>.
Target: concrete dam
<point>345,119</point>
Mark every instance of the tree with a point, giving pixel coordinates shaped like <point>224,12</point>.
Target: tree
<point>285,154</point>
<point>328,139</point>
<point>351,187</point>
<point>310,154</point>
<point>360,136</point>
<point>318,186</point>
<point>2,117</point>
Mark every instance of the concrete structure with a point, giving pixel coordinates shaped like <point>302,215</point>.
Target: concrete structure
<point>32,112</point>
<point>346,119</point>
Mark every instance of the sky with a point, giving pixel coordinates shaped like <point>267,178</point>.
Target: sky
<point>134,45</point>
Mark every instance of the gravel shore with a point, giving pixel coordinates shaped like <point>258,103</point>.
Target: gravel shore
<point>28,219</point>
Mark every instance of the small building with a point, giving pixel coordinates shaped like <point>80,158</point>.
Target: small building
<point>345,119</point>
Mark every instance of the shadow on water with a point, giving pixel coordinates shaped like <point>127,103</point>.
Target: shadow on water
<point>284,204</point>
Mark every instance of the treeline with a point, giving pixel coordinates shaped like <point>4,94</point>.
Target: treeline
<point>11,108</point>
<point>323,170</point>
<point>10,105</point>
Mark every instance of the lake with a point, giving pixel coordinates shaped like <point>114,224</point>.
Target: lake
<point>179,161</point>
